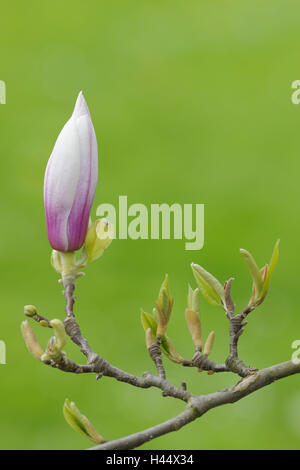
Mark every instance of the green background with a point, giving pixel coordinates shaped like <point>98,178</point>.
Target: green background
<point>191,102</point>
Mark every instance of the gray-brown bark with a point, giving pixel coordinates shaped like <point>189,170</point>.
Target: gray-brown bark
<point>196,405</point>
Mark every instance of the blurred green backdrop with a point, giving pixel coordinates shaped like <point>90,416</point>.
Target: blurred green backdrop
<point>191,102</point>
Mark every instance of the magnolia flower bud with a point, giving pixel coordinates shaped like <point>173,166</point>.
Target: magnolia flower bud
<point>70,181</point>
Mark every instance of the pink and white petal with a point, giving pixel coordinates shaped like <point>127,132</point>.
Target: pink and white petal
<point>79,215</point>
<point>61,181</point>
<point>81,107</point>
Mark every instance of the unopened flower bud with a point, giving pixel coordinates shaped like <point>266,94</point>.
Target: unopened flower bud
<point>30,310</point>
<point>70,181</point>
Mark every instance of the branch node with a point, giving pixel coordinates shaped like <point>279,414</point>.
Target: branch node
<point>155,354</point>
<point>183,386</point>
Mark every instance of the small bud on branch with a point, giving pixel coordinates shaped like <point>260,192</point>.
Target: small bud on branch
<point>149,339</point>
<point>194,326</point>
<point>31,342</point>
<point>209,343</point>
<point>30,310</point>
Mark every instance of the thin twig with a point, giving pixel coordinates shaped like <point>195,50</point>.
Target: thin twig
<point>70,299</point>
<point>137,439</point>
<point>199,405</point>
<point>40,319</point>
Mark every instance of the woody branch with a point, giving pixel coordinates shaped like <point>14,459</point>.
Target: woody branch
<point>69,189</point>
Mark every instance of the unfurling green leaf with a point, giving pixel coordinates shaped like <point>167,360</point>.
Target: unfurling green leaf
<point>80,423</point>
<point>271,269</point>
<point>255,272</point>
<point>99,236</point>
<point>173,355</point>
<point>163,295</point>
<point>165,347</point>
<point>212,290</point>
<point>193,300</point>
<point>260,289</point>
<point>165,301</point>
<point>148,321</point>
<point>164,306</point>
<point>254,296</point>
<point>158,322</point>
